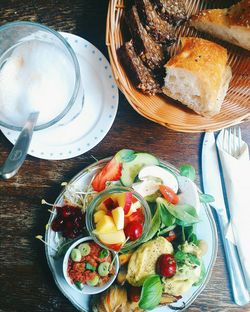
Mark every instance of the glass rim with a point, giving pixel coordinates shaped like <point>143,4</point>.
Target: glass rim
<point>76,67</point>
<point>119,189</point>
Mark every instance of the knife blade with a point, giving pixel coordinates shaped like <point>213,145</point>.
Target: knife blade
<point>212,184</point>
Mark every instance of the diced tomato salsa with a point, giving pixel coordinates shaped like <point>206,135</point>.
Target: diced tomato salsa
<point>78,271</point>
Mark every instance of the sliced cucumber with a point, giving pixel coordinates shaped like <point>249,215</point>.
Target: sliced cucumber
<point>103,268</point>
<point>166,175</point>
<point>94,281</point>
<point>75,255</point>
<point>132,168</point>
<point>84,249</point>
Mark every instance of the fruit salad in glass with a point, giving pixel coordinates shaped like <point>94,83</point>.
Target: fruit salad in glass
<point>118,218</point>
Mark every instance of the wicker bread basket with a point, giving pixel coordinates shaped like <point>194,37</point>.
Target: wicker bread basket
<point>165,111</point>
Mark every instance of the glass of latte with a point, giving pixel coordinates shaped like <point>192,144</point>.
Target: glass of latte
<point>39,72</point>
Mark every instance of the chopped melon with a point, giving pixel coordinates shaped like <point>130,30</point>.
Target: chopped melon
<point>102,207</point>
<point>118,216</point>
<point>117,237</point>
<point>99,215</point>
<point>106,225</point>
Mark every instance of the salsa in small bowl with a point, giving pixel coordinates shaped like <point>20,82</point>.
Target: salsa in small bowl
<point>88,267</point>
<point>118,219</point>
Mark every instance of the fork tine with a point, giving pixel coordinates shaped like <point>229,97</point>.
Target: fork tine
<point>239,141</point>
<point>235,149</point>
<point>229,141</point>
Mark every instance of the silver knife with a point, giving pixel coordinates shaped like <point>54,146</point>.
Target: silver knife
<point>212,185</point>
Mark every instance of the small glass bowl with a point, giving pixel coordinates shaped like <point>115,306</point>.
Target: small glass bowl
<point>88,290</point>
<point>105,194</point>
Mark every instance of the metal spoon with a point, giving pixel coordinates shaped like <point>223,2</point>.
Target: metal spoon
<point>20,149</point>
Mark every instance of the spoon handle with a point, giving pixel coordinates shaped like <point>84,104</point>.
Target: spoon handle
<point>20,149</point>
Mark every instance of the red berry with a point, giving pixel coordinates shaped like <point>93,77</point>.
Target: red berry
<point>133,230</point>
<point>57,224</point>
<point>166,265</point>
<point>66,212</point>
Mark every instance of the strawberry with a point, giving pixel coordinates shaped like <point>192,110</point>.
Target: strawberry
<point>112,171</point>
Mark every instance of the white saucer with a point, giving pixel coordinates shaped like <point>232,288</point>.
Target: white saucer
<point>96,118</point>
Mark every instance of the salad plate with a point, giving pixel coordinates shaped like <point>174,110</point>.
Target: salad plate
<point>205,230</point>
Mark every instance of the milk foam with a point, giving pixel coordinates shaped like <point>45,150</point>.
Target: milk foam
<point>37,76</point>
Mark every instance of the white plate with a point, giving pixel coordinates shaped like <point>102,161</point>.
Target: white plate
<point>205,229</point>
<point>96,118</point>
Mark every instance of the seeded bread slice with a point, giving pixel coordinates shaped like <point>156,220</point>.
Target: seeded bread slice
<point>173,11</point>
<point>152,54</point>
<point>159,29</point>
<point>140,75</point>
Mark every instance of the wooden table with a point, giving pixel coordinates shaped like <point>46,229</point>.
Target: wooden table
<point>26,284</point>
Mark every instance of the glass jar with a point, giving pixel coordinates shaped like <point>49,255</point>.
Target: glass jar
<point>92,208</point>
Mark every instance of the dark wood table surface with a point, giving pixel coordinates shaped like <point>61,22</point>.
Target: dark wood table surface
<point>26,283</point>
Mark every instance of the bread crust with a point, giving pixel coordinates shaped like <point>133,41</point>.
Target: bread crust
<point>230,24</point>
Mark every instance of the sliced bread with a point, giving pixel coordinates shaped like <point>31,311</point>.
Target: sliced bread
<point>232,24</point>
<point>173,11</point>
<point>159,29</point>
<point>152,53</point>
<point>140,75</point>
<point>198,76</point>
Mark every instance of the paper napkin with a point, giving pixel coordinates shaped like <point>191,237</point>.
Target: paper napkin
<point>236,173</point>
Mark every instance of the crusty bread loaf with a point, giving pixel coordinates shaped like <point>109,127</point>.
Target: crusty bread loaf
<point>198,76</point>
<point>232,24</point>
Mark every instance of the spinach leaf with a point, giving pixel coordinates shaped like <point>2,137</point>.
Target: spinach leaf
<point>185,213</point>
<point>192,238</point>
<point>182,257</point>
<point>166,218</point>
<point>202,275</point>
<point>151,293</point>
<point>104,253</point>
<point>190,235</point>
<point>188,171</point>
<point>155,224</point>
<point>206,198</point>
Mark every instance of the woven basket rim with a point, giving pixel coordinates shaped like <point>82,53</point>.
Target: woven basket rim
<point>113,41</point>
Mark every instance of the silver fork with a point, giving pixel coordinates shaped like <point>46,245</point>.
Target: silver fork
<point>232,141</point>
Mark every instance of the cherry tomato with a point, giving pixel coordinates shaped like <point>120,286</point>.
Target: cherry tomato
<point>134,293</point>
<point>166,265</point>
<point>169,194</point>
<point>133,230</point>
<point>171,236</point>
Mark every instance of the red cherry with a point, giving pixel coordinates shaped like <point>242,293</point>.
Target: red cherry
<point>57,224</point>
<point>133,230</point>
<point>166,265</point>
<point>66,212</point>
